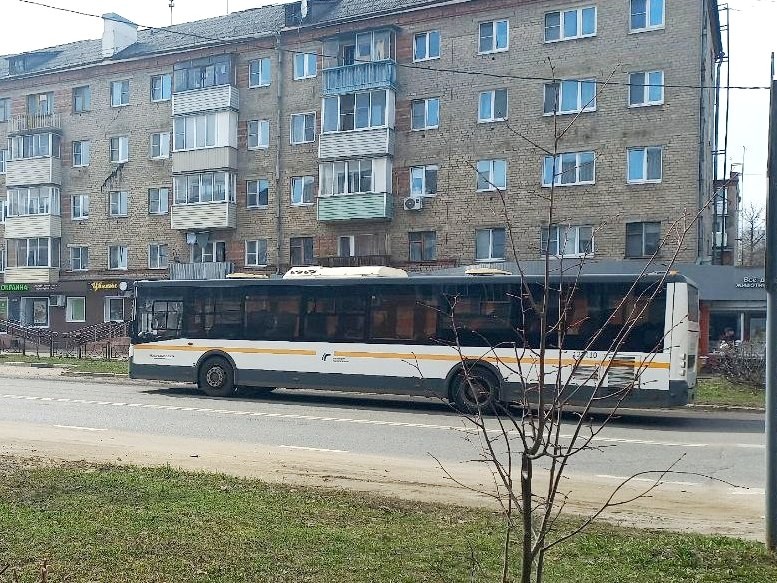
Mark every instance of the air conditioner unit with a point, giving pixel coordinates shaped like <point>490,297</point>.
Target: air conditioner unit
<point>57,301</point>
<point>413,203</point>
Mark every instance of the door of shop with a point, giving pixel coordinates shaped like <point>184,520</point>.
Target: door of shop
<point>35,312</point>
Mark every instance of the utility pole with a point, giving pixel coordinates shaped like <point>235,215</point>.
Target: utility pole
<point>771,326</point>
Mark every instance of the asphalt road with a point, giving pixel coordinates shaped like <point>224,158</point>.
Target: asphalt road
<point>300,435</point>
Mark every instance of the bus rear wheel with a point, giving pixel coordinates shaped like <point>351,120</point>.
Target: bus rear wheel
<point>476,392</point>
<point>217,378</point>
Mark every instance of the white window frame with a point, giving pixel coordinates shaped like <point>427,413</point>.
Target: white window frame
<point>157,259</point>
<point>558,175</point>
<point>339,100</point>
<point>426,103</point>
<point>4,155</point>
<point>422,172</point>
<point>491,257</point>
<point>562,239</point>
<point>645,179</point>
<point>494,48</point>
<point>121,94</point>
<point>123,251</point>
<point>162,145</point>
<point>83,265</point>
<point>121,150</point>
<point>107,308</point>
<point>192,130</point>
<point>648,27</point>
<point>305,180</point>
<point>647,85</point>
<point>83,206</point>
<point>258,129</point>
<point>253,189</point>
<point>162,194</point>
<point>26,201</point>
<point>580,33</point>
<point>211,249</point>
<point>309,66</point>
<point>181,198</point>
<point>255,253</point>
<point>69,309</point>
<point>307,115</point>
<point>85,152</point>
<point>346,167</point>
<point>260,64</point>
<point>492,98</point>
<point>426,35</point>
<point>492,184</point>
<point>120,200</point>
<point>162,77</point>
<point>581,105</point>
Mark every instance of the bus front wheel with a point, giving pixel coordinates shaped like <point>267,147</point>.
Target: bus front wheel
<point>217,378</point>
<point>476,392</point>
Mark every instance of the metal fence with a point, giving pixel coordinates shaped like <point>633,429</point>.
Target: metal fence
<point>109,340</point>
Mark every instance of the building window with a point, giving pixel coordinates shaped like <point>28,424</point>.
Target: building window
<point>491,175</point>
<point>569,169</point>
<point>490,244</point>
<point>494,36</point>
<point>207,187</point>
<point>423,180</point>
<point>346,177</point>
<point>212,252</point>
<point>303,128</point>
<point>79,258</point>
<point>202,73</point>
<point>570,96</point>
<point>5,109</point>
<point>362,245</point>
<point>302,190</point>
<point>647,14</point>
<point>256,253</point>
<point>194,132</point>
<point>426,46</point>
<point>257,193</point>
<point>158,201</point>
<point>343,113</point>
<point>35,146</point>
<point>37,252</point>
<point>161,87</point>
<point>119,93</point>
<point>645,165</point>
<point>117,257</point>
<point>157,256</point>
<point>423,246</point>
<point>82,153</point>
<point>642,239</point>
<point>82,99</point>
<point>570,24</point>
<point>118,201</point>
<point>646,88</point>
<point>114,310</point>
<point>425,114</point>
<point>568,241</point>
<point>301,250</point>
<point>3,261</point>
<point>80,207</point>
<point>259,73</point>
<point>120,149</point>
<point>259,133</point>
<point>40,104</point>
<point>33,200</point>
<point>493,105</point>
<point>304,65</point>
<point>160,146</point>
<point>75,310</point>
<point>3,158</point>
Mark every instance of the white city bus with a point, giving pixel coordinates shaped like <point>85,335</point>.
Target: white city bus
<point>399,335</point>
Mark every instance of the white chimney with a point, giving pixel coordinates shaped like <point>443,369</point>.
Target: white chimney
<point>118,34</point>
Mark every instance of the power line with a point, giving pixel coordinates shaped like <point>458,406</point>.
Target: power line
<point>400,65</point>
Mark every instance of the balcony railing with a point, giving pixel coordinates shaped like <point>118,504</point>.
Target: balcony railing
<point>368,206</point>
<point>213,98</point>
<point>200,271</point>
<point>43,170</point>
<point>203,216</point>
<point>355,261</point>
<point>356,143</point>
<point>35,121</point>
<point>360,77</point>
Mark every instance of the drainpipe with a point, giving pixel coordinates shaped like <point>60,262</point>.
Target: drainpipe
<point>278,180</point>
<point>702,148</point>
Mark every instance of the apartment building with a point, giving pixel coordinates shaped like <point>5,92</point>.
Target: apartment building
<point>414,133</point>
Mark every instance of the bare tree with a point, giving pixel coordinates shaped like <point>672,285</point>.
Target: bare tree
<point>752,235</point>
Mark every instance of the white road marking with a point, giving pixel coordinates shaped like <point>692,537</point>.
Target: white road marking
<point>77,428</point>
<point>649,480</point>
<point>751,445</point>
<point>747,492</point>
<point>313,449</point>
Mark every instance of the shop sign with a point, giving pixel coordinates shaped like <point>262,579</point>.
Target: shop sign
<point>14,287</point>
<point>752,283</point>
<point>44,287</point>
<point>98,286</point>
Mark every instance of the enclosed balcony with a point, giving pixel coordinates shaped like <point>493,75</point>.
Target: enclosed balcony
<point>203,216</point>
<point>25,123</point>
<point>31,275</point>
<point>360,77</point>
<point>205,159</point>
<point>359,61</point>
<point>34,159</point>
<point>357,143</point>
<point>206,99</point>
<point>32,226</point>
<point>32,260</point>
<point>33,212</point>
<point>370,206</point>
<point>201,271</point>
<point>203,202</point>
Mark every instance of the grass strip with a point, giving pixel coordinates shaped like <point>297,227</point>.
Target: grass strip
<point>94,365</point>
<point>722,392</point>
<point>107,523</point>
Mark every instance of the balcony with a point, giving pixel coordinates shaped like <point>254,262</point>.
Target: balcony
<point>31,275</point>
<point>205,159</point>
<point>206,99</point>
<point>204,216</point>
<point>33,226</point>
<point>26,171</point>
<point>370,206</point>
<point>20,124</point>
<point>355,261</point>
<point>359,77</point>
<point>200,271</point>
<point>356,144</point>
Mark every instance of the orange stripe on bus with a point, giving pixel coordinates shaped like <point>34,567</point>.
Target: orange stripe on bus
<point>227,349</point>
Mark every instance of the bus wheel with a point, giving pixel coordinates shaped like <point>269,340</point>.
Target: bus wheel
<point>476,394</point>
<point>216,378</point>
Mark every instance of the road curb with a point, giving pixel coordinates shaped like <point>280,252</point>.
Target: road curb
<point>732,408</point>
